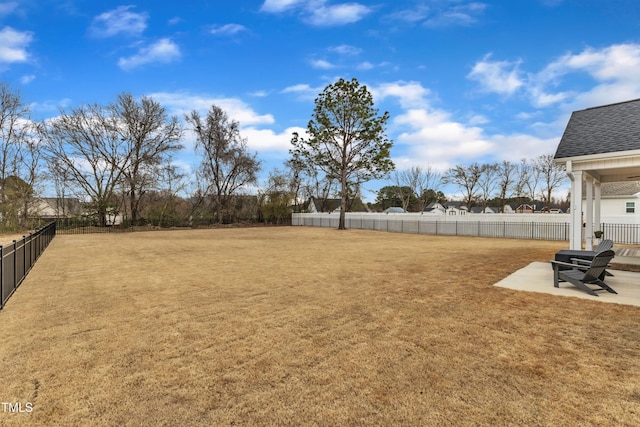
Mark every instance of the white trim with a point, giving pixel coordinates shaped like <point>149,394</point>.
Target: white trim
<point>599,156</point>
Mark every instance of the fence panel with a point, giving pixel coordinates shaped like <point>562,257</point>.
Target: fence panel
<point>507,226</point>
<point>622,233</point>
<point>8,272</point>
<point>19,264</point>
<point>17,259</point>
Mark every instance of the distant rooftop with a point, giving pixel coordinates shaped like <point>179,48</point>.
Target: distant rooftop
<point>605,129</point>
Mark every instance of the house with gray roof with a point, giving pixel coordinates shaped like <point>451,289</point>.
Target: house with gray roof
<point>599,145</point>
<point>619,202</point>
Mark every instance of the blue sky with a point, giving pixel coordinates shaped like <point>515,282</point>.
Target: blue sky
<point>463,81</point>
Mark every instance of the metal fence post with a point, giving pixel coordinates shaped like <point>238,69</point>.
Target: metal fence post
<point>1,279</point>
<point>24,255</point>
<point>15,265</point>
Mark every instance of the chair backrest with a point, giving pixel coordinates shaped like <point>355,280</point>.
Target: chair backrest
<point>598,265</point>
<point>604,245</point>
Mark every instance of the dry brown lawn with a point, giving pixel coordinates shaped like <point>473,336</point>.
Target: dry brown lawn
<point>308,326</point>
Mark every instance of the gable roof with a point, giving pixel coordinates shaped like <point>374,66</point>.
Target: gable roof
<point>598,130</point>
<point>625,188</point>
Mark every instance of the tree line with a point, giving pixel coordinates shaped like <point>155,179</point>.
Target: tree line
<point>118,159</point>
<point>480,184</point>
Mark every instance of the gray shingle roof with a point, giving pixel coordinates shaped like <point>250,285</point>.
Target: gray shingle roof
<point>606,129</point>
<point>628,188</point>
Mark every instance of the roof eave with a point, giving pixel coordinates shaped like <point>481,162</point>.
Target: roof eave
<point>599,156</point>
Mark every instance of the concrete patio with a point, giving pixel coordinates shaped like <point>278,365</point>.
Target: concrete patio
<point>538,277</point>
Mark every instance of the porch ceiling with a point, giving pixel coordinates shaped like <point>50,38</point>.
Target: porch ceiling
<point>608,169</point>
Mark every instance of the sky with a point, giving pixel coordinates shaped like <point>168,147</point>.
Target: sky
<point>463,81</point>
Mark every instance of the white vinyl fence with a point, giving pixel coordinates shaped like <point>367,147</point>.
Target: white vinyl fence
<point>515,226</point>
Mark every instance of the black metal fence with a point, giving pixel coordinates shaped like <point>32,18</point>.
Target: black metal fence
<point>18,258</point>
<point>628,234</point>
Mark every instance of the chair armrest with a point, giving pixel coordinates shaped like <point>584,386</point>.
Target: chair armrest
<point>557,264</point>
<point>581,261</point>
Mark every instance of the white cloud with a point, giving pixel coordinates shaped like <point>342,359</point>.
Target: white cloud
<point>365,66</point>
<point>304,91</point>
<point>440,14</point>
<point>424,135</point>
<point>228,29</point>
<point>464,14</point>
<point>118,21</point>
<point>409,94</point>
<point>276,6</point>
<point>341,14</point>
<point>501,77</point>
<point>267,139</point>
<point>259,93</point>
<point>613,74</point>
<point>181,103</point>
<point>317,12</point>
<point>345,49</point>
<point>523,146</point>
<point>26,79</point>
<point>478,119</point>
<point>8,7</point>
<point>13,45</point>
<point>163,51</point>
<point>50,105</point>
<point>417,14</point>
<point>434,137</point>
<point>322,64</point>
<point>615,69</point>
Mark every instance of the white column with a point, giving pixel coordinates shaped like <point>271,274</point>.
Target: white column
<point>588,231</point>
<point>597,194</point>
<point>575,239</point>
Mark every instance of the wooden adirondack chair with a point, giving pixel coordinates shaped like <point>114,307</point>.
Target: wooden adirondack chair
<point>583,275</point>
<point>604,245</point>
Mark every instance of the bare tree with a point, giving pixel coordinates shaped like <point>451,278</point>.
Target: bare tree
<point>14,114</point>
<point>85,143</point>
<point>226,165</point>
<point>310,182</point>
<point>151,137</point>
<point>404,188</point>
<point>506,172</point>
<point>30,170</point>
<point>487,182</point>
<point>467,179</point>
<point>164,203</point>
<point>274,200</point>
<point>418,180</point>
<point>60,177</point>
<point>530,179</point>
<point>552,175</point>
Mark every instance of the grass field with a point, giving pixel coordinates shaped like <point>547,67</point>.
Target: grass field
<point>308,326</point>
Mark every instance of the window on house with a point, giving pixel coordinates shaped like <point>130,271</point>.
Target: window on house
<point>631,207</point>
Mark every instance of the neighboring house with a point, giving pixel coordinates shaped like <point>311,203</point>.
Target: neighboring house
<point>456,208</point>
<point>619,199</point>
<point>552,210</point>
<point>435,208</point>
<point>56,207</point>
<point>531,207</point>
<point>393,209</point>
<point>485,210</point>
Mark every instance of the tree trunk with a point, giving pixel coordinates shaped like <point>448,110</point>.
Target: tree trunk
<point>343,203</point>
<point>132,207</point>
